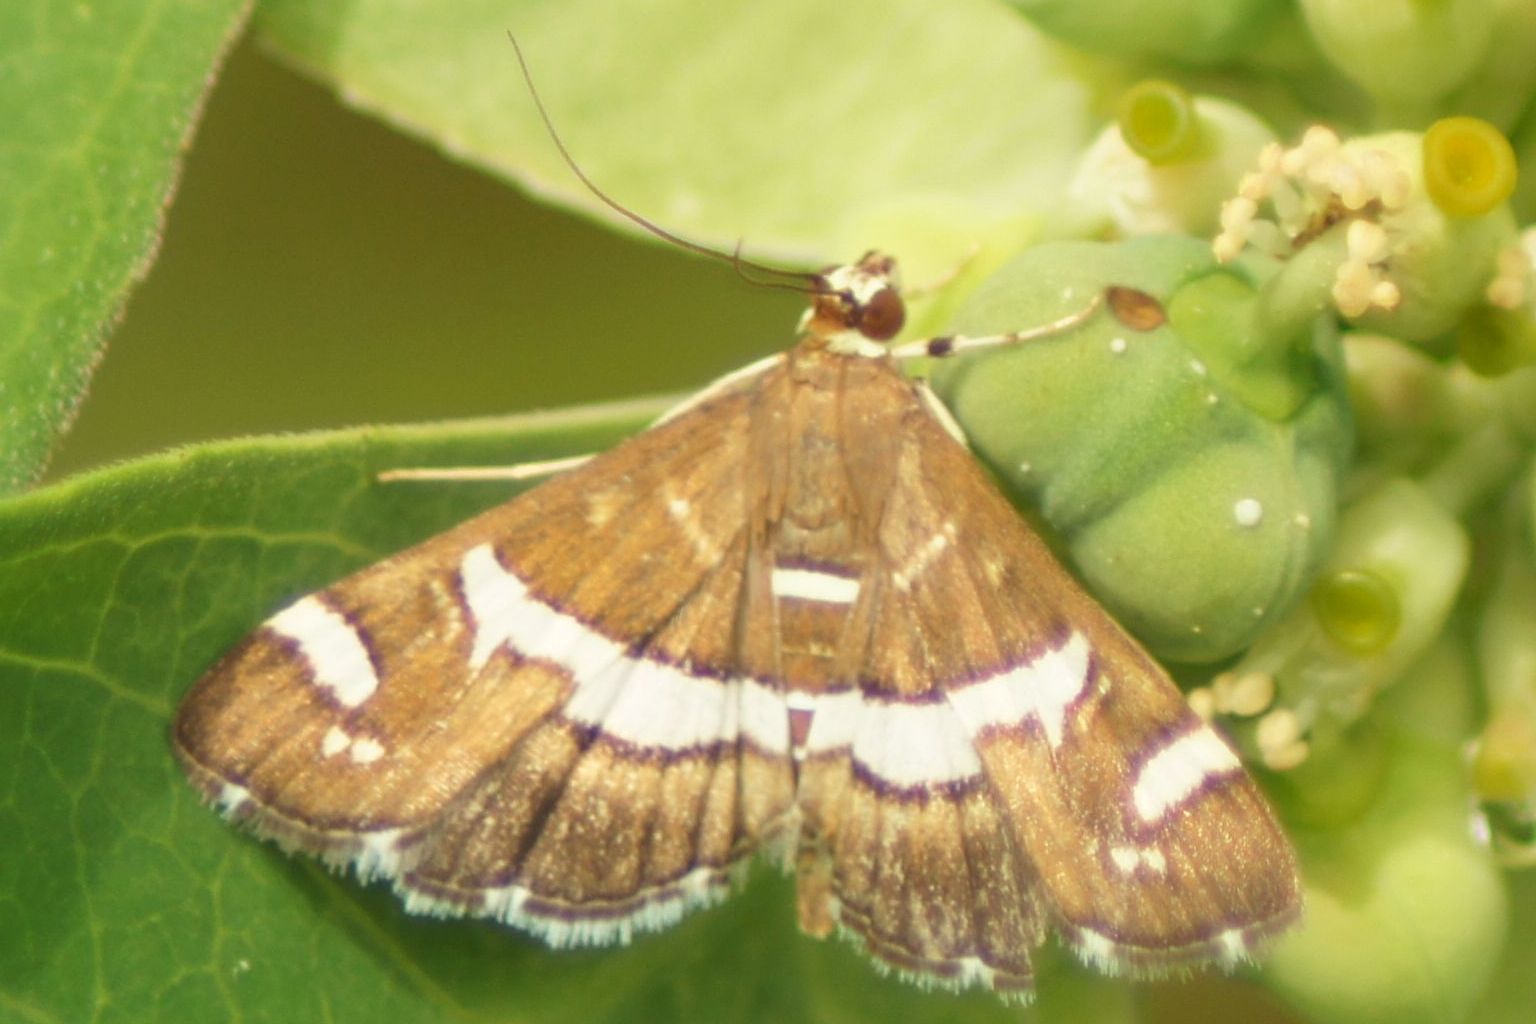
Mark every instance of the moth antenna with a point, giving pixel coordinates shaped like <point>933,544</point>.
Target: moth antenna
<point>650,226</point>
<point>816,286</point>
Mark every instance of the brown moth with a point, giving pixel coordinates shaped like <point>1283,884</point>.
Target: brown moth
<point>797,617</point>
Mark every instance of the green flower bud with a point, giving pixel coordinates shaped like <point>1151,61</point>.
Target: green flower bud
<point>1403,52</point>
<point>1504,75</point>
<point>1469,166</point>
<point>1358,609</point>
<point>1493,342</point>
<point>1415,413</point>
<point>1337,785</point>
<point>1506,636</point>
<point>1381,599</point>
<point>1167,162</point>
<point>1436,699</point>
<point>1504,757</point>
<point>1193,31</point>
<point>1439,262</point>
<point>1405,912</point>
<point>1504,754</point>
<point>1191,467</point>
<point>1507,999</point>
<point>1358,229</point>
<point>1522,137</point>
<point>1355,221</point>
<point>1157,121</point>
<point>1517,396</point>
<point>1402,399</point>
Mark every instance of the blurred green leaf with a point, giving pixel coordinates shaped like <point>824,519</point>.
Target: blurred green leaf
<point>96,105</point>
<point>811,131</point>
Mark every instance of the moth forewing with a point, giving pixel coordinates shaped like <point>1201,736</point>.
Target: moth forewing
<point>794,614</point>
<point>577,641</point>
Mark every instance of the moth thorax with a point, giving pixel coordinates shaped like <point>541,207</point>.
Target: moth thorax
<point>856,304</point>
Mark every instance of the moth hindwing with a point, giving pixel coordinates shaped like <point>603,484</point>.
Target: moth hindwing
<point>797,616</point>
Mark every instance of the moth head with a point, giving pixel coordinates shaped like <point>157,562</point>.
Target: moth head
<point>857,303</point>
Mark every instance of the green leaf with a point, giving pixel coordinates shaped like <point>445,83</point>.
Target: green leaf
<point>96,102</point>
<point>121,898</point>
<point>808,130</point>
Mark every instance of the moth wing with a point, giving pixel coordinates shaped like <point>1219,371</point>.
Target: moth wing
<point>904,845</point>
<point>1016,763</point>
<point>1154,849</point>
<point>494,719</point>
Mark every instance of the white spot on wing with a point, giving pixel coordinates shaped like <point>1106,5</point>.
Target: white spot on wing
<point>1234,947</point>
<point>914,744</point>
<point>632,698</point>
<point>1043,688</point>
<point>836,718</point>
<point>1248,511</point>
<point>1129,858</point>
<point>1178,770</point>
<point>335,741</point>
<point>1096,949</point>
<point>814,585</point>
<point>704,544</point>
<point>447,611</point>
<point>366,750</point>
<point>799,700</point>
<point>764,718</point>
<point>902,743</point>
<point>331,647</point>
<point>379,855</point>
<point>231,797</point>
<point>972,971</point>
<point>915,565</point>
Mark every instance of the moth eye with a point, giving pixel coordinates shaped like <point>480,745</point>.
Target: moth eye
<point>882,316</point>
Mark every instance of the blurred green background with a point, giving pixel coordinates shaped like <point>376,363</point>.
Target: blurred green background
<point>319,269</point>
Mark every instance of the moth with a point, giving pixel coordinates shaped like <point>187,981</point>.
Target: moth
<point>796,617</point>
